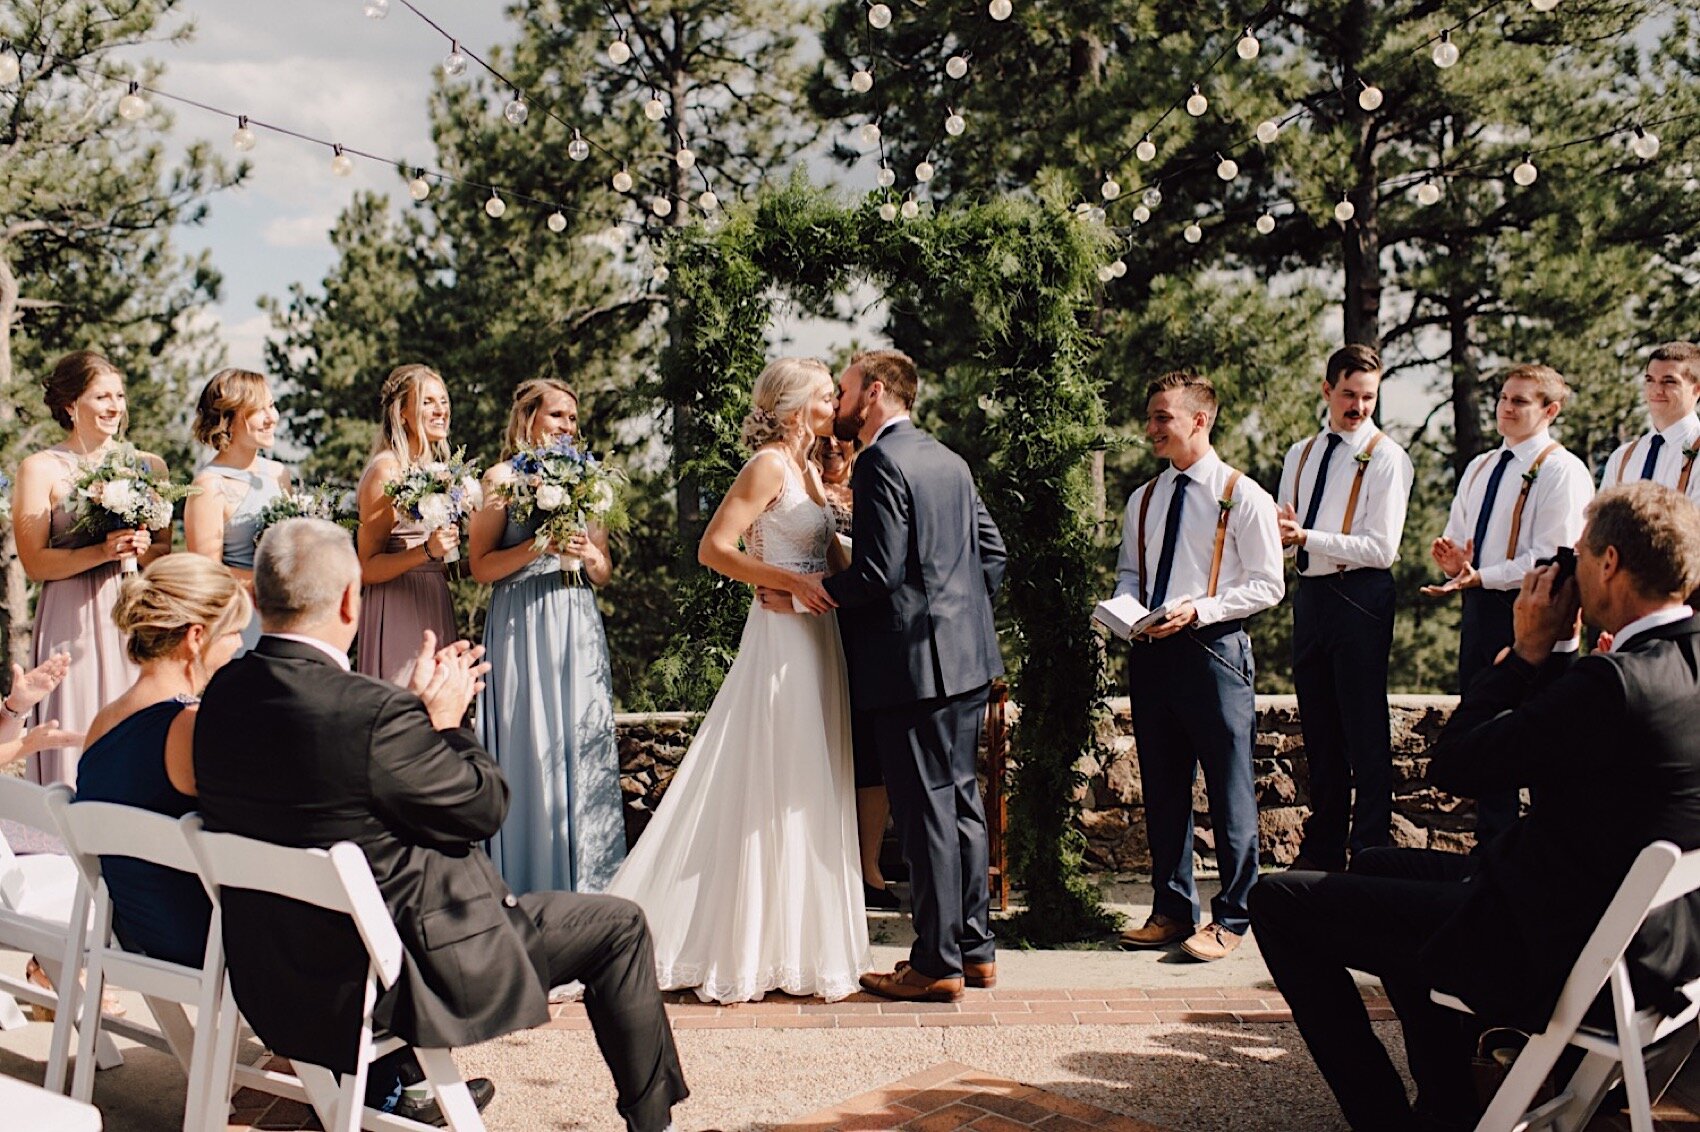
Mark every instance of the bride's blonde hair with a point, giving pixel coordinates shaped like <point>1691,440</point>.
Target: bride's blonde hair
<point>781,392</point>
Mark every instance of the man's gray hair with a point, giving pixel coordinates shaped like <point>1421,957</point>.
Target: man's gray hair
<point>301,572</point>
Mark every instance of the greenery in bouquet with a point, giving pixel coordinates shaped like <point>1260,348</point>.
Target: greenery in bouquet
<point>324,501</point>
<point>120,492</point>
<point>558,489</point>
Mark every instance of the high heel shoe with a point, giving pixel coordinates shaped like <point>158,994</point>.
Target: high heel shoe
<point>879,899</point>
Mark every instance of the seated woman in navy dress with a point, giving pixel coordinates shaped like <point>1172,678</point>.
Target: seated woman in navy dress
<point>182,618</point>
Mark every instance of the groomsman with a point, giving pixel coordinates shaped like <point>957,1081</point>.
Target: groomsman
<point>1516,503</point>
<point>1342,510</point>
<point>1204,535</point>
<point>1666,453</point>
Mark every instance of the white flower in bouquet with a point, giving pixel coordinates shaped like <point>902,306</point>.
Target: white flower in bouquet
<point>159,515</point>
<point>601,499</point>
<point>118,496</point>
<point>437,511</point>
<point>474,491</point>
<point>550,497</point>
<point>502,476</point>
<point>120,492</point>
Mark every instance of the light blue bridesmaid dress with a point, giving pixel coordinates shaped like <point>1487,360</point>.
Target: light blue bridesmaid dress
<point>547,715</point>
<point>244,523</point>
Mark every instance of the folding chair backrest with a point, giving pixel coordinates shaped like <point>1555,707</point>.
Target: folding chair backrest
<point>1648,884</point>
<point>104,829</point>
<point>337,879</point>
<point>26,804</point>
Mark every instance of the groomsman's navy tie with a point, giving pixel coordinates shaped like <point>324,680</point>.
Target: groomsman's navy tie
<point>1486,512</point>
<point>1171,535</point>
<point>1316,496</point>
<point>1652,459</point>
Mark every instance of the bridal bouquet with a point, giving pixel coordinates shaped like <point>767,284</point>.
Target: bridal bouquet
<point>439,493</point>
<point>121,493</point>
<point>558,489</point>
<point>337,505</point>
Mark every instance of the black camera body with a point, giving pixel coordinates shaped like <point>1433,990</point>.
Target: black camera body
<point>1564,558</point>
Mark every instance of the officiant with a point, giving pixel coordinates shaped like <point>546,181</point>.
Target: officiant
<point>1342,504</point>
<point>1202,537</point>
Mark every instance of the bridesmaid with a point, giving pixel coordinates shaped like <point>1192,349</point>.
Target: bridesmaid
<point>236,417</point>
<point>407,588</point>
<point>78,572</point>
<point>547,710</point>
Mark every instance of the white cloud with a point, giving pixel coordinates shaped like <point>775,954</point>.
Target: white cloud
<point>306,231</point>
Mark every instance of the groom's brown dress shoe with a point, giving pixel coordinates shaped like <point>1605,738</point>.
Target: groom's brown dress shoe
<point>909,985</point>
<point>980,976</point>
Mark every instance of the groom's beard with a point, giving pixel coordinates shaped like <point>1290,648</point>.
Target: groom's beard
<point>849,428</point>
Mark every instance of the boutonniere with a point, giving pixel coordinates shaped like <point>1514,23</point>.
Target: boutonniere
<point>1364,457</point>
<point>1227,504</point>
<point>1691,452</point>
<point>1529,476</point>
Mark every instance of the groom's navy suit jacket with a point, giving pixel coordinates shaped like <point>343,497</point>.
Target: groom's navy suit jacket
<point>926,560</point>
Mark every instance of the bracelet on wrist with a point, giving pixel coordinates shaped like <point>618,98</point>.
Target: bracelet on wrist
<point>9,712</point>
<point>429,557</point>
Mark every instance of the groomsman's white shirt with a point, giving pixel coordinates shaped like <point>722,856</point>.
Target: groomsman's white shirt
<point>1379,521</point>
<point>1252,578</point>
<point>1552,516</point>
<point>1685,433</point>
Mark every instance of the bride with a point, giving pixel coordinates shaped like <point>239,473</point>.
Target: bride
<point>749,872</point>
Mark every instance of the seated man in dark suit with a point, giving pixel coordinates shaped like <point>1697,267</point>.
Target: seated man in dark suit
<point>1612,742</point>
<point>292,748</point>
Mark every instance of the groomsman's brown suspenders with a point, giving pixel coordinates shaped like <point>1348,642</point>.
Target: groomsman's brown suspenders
<point>1688,455</point>
<point>1223,506</point>
<point>1522,495</point>
<point>1357,481</point>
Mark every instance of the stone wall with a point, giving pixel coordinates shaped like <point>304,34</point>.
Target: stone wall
<point>651,746</point>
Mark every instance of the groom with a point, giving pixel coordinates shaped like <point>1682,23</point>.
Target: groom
<point>926,559</point>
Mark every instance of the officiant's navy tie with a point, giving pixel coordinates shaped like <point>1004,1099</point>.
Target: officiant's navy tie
<point>1171,535</point>
<point>1316,496</point>
<point>1652,459</point>
<point>1486,512</point>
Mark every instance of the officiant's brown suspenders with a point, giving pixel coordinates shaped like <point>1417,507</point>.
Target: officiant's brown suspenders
<point>1223,505</point>
<point>1688,455</point>
<point>1357,481</point>
<point>1522,495</point>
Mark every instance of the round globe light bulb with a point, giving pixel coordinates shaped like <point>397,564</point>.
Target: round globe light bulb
<point>1197,104</point>
<point>377,9</point>
<point>1525,173</point>
<point>1118,269</point>
<point>556,222</point>
<point>685,159</point>
<point>1445,54</point>
<point>1248,47</point>
<point>660,274</point>
<point>1266,224</point>
<point>1146,149</point>
<point>888,211</point>
<point>1152,197</point>
<point>654,110</point>
<point>1228,169</point>
<point>870,133</point>
<point>578,149</point>
<point>661,206</point>
<point>1141,214</point>
<point>1428,193</point>
<point>887,177</point>
<point>620,52</point>
<point>1192,233</point>
<point>243,139</point>
<point>879,16</point>
<point>342,165</point>
<point>1109,190</point>
<point>1543,5</point>
<point>1370,98</point>
<point>1268,130</point>
<point>1000,9</point>
<point>1645,145</point>
<point>1105,274</point>
<point>1096,214</point>
<point>495,208</point>
<point>132,106</point>
<point>862,82</point>
<point>622,182</point>
<point>419,188</point>
<point>516,111</point>
<point>708,202</point>
<point>956,66</point>
<point>1344,211</point>
<point>9,68</point>
<point>954,124</point>
<point>924,172</point>
<point>911,209</point>
<point>454,64</point>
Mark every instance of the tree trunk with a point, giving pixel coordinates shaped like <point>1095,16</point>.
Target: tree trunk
<point>16,626</point>
<point>1468,437</point>
<point>688,499</point>
<point>1360,236</point>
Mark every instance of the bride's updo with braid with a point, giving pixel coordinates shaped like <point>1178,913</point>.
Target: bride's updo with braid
<point>781,392</point>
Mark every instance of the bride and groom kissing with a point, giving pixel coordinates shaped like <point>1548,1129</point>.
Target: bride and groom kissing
<point>749,873</point>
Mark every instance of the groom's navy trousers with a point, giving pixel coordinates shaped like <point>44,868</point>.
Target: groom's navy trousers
<point>1193,707</point>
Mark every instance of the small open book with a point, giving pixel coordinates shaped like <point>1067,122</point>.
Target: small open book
<point>1124,616</point>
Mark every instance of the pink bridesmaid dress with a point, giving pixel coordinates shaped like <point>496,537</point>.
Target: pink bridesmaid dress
<point>75,615</point>
<point>394,614</point>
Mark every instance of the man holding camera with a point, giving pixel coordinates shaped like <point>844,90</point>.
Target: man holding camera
<point>1612,742</point>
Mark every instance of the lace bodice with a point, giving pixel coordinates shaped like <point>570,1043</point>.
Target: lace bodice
<point>792,532</point>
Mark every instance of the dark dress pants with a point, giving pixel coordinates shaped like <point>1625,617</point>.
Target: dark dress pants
<point>1486,630</point>
<point>1342,634</point>
<point>1315,928</point>
<point>603,942</point>
<point>1193,707</point>
<point>928,751</point>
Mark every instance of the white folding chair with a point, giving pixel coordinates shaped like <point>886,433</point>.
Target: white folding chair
<point>1661,873</point>
<point>207,1049</point>
<point>43,912</point>
<point>337,879</point>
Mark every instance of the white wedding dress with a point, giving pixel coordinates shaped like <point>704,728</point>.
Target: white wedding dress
<point>749,873</point>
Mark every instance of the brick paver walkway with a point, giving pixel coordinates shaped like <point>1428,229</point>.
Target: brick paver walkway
<point>955,1096</point>
<point>984,1008</point>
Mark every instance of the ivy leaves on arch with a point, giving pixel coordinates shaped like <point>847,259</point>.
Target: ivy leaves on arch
<point>1016,277</point>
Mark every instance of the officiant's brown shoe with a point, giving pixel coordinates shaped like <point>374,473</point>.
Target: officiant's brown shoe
<point>980,976</point>
<point>1159,931</point>
<point>909,985</point>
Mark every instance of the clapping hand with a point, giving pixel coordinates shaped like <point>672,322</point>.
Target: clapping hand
<point>1454,561</point>
<point>46,737</point>
<point>1287,521</point>
<point>446,678</point>
<point>30,688</point>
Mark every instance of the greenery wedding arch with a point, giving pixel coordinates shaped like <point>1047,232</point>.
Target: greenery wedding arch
<point>1012,281</point>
